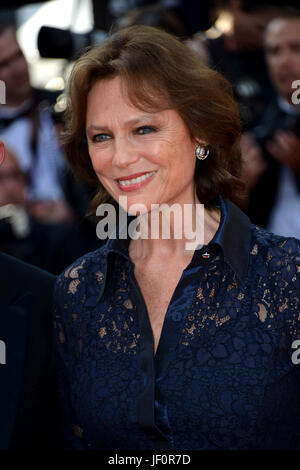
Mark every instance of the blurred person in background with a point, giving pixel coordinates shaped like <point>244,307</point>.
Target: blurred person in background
<point>55,202</point>
<point>28,403</point>
<point>47,244</point>
<point>278,133</point>
<point>154,15</point>
<point>26,126</point>
<point>194,15</point>
<point>238,52</point>
<point>12,181</point>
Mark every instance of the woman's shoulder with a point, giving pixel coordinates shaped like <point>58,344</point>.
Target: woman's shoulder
<point>274,281</point>
<point>278,256</point>
<point>91,264</point>
<point>277,243</point>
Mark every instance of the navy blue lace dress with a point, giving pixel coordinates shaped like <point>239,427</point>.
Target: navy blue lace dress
<point>223,375</point>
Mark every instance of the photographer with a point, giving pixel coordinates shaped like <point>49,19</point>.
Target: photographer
<point>274,201</point>
<point>238,52</point>
<point>27,128</point>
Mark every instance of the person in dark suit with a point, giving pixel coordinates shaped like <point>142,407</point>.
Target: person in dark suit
<point>28,416</point>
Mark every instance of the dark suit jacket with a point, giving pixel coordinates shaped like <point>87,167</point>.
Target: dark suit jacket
<point>28,412</point>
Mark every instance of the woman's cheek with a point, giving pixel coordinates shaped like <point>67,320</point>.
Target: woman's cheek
<point>100,161</point>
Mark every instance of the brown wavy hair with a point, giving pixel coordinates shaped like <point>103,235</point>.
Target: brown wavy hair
<point>160,72</point>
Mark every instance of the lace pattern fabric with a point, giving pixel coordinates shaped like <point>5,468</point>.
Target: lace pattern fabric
<point>222,377</point>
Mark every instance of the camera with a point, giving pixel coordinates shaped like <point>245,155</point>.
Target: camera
<point>55,43</point>
<point>284,122</point>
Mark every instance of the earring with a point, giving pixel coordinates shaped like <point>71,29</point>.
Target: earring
<point>201,151</point>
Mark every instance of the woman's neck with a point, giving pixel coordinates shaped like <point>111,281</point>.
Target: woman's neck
<point>173,234</point>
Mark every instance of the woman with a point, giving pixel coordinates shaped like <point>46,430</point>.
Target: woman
<point>160,346</point>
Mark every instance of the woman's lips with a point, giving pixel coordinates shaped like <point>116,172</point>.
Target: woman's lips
<point>131,184</point>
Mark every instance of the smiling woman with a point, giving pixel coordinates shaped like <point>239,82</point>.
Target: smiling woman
<point>157,76</point>
<point>135,150</point>
<point>159,346</point>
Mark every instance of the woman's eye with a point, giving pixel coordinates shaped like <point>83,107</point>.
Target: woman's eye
<point>145,130</point>
<point>100,137</point>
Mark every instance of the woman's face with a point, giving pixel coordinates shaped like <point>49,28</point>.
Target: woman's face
<point>148,157</point>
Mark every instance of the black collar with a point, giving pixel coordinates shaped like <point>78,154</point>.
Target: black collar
<point>233,237</point>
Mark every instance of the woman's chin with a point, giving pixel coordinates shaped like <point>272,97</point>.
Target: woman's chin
<point>138,209</point>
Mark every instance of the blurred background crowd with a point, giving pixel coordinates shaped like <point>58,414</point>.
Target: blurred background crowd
<point>256,44</point>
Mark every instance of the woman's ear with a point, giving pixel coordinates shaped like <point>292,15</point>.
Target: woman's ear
<point>2,152</point>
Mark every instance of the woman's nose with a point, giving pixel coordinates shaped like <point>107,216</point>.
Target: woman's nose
<point>124,153</point>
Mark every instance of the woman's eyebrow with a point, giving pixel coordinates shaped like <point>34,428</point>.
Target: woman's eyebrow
<point>93,127</point>
<point>136,120</point>
<point>143,117</point>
